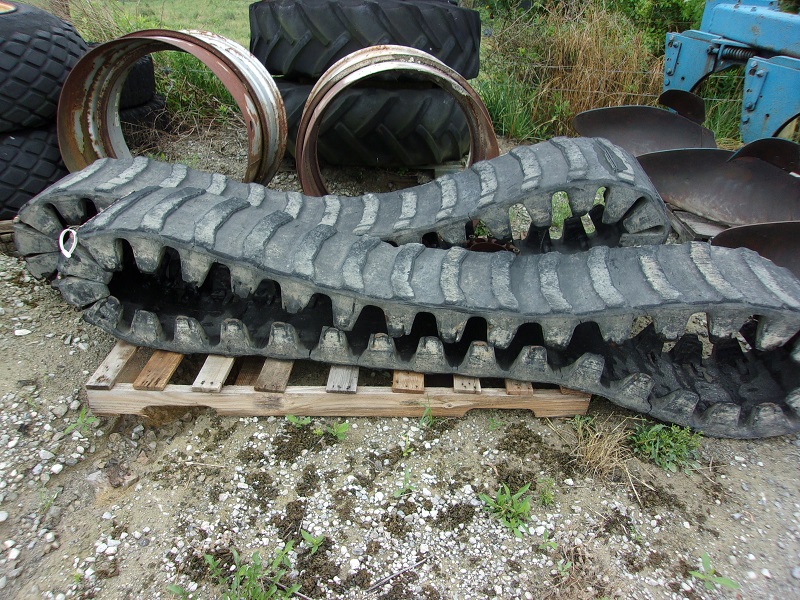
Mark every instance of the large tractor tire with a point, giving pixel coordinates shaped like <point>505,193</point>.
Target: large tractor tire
<point>302,38</point>
<point>37,51</point>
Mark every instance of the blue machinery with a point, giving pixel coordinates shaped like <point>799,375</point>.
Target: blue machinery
<point>754,33</point>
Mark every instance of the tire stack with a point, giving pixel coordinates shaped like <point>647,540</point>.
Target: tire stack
<point>389,122</point>
<point>37,51</point>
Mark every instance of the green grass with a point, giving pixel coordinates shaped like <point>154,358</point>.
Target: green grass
<point>513,510</point>
<point>672,447</point>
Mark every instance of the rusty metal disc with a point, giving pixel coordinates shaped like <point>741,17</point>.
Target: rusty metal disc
<point>784,154</point>
<point>707,183</point>
<point>88,118</point>
<point>686,104</point>
<point>779,242</point>
<point>643,129</point>
<point>365,63</point>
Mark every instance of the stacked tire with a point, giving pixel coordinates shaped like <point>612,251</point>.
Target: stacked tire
<point>37,51</point>
<point>390,122</point>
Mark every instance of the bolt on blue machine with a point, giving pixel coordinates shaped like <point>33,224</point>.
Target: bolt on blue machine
<point>754,33</point>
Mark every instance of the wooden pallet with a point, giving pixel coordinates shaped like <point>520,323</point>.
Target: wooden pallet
<point>6,231</point>
<point>260,388</point>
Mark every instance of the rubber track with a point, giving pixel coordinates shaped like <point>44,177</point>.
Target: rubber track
<point>306,256</point>
<point>592,297</point>
<point>529,175</point>
<point>382,127</point>
<point>296,38</point>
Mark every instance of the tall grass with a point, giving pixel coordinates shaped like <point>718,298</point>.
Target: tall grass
<point>195,97</point>
<point>560,61</point>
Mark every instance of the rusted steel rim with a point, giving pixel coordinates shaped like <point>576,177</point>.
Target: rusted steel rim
<point>379,59</point>
<point>88,117</point>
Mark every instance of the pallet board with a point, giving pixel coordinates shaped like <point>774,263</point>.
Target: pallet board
<point>260,388</point>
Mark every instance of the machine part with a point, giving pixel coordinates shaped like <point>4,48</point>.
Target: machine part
<point>755,34</point>
<point>631,212</point>
<point>771,98</point>
<point>183,270</point>
<point>647,129</point>
<point>29,162</point>
<point>140,84</point>
<point>720,186</point>
<point>88,126</point>
<point>782,153</point>
<point>779,242</point>
<point>382,59</point>
<point>388,126</point>
<point>37,51</point>
<point>304,38</point>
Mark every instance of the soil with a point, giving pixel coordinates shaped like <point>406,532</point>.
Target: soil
<point>123,507</point>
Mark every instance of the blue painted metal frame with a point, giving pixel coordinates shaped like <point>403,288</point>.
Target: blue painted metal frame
<point>743,32</point>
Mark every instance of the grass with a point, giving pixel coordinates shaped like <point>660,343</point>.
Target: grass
<point>540,69</point>
<point>709,577</point>
<point>671,447</point>
<point>250,581</point>
<point>513,510</point>
<point>600,448</point>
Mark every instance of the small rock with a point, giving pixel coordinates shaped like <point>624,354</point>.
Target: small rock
<point>60,410</point>
<point>13,554</point>
<point>21,332</point>
<point>46,454</point>
<point>766,573</point>
<point>56,468</point>
<point>569,481</point>
<point>3,516</point>
<point>796,572</point>
<point>355,564</point>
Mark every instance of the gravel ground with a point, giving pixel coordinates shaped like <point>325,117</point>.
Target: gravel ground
<point>124,507</point>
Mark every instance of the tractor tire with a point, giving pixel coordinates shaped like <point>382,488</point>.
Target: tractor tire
<point>37,51</point>
<point>383,126</point>
<point>303,38</point>
<point>29,162</point>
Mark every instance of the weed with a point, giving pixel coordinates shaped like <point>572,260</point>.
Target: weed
<point>313,542</point>
<point>298,422</point>
<point>670,447</point>
<point>83,423</point>
<point>406,446</point>
<point>338,431</point>
<point>406,488</point>
<point>46,499</point>
<point>709,577</point>
<point>495,424</point>
<point>563,567</point>
<point>427,420</point>
<point>178,590</point>
<point>512,510</point>
<point>547,544</point>
<point>254,581</point>
<point>545,491</point>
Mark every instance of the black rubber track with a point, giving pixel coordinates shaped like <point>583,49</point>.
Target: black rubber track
<point>37,51</point>
<point>383,126</point>
<point>29,162</point>
<point>303,38</point>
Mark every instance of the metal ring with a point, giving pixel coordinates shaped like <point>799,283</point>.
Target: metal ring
<point>380,59</point>
<point>88,117</point>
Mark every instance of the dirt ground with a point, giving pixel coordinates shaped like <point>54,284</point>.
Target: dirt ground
<point>125,507</point>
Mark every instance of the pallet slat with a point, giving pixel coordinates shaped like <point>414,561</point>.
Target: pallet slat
<point>158,371</point>
<point>342,380</point>
<point>213,374</point>
<point>106,374</point>
<point>466,385</point>
<point>274,375</point>
<point>408,381</point>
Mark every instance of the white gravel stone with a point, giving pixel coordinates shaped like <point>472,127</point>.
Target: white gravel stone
<point>3,516</point>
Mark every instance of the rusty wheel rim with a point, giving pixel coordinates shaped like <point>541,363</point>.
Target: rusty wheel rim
<point>380,59</point>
